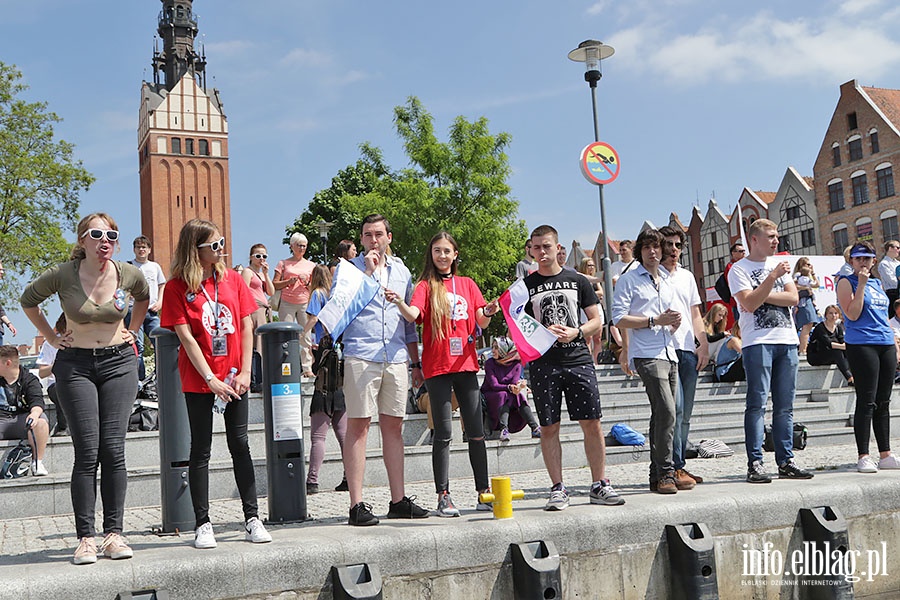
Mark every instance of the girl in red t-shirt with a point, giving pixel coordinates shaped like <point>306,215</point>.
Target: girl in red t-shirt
<point>210,308</point>
<point>449,307</point>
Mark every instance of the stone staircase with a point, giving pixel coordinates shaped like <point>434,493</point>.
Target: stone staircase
<point>824,403</point>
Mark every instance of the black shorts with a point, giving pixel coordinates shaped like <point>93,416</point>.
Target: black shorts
<point>579,383</point>
<point>12,425</point>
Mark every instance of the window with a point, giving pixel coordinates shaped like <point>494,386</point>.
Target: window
<point>188,146</point>
<point>711,267</point>
<point>792,212</point>
<point>860,190</point>
<point>873,139</point>
<point>851,121</point>
<point>204,148</point>
<point>856,152</point>
<point>885,179</point>
<point>713,240</point>
<point>784,243</point>
<point>808,238</point>
<point>889,228</point>
<point>835,156</point>
<point>841,240</point>
<point>836,196</point>
<point>721,264</point>
<point>176,145</point>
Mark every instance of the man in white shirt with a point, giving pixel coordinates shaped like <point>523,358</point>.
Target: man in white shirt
<point>887,270</point>
<point>691,358</point>
<point>626,261</point>
<point>765,295</point>
<point>642,303</point>
<point>156,280</point>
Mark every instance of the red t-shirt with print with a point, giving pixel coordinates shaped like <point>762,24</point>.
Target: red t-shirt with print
<point>181,306</point>
<point>436,357</point>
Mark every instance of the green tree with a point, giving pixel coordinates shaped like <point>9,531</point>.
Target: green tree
<point>458,186</point>
<point>331,204</point>
<point>39,185</point>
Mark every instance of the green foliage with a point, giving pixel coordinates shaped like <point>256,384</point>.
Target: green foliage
<point>331,204</point>
<point>39,185</point>
<point>458,186</point>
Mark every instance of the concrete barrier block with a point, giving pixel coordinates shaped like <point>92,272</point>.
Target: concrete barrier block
<point>413,548</point>
<point>102,580</point>
<point>217,573</point>
<point>866,536</point>
<point>491,582</point>
<point>454,545</point>
<point>758,510</point>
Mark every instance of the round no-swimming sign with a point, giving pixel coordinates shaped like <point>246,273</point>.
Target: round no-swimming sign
<point>599,163</point>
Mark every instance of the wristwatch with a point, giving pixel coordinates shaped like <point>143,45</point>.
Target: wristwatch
<point>415,365</point>
<point>209,377</point>
<point>580,335</point>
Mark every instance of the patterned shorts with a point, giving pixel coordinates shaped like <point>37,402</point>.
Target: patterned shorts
<point>549,382</point>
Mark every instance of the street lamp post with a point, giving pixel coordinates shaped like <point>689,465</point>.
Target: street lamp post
<point>324,227</point>
<point>591,52</point>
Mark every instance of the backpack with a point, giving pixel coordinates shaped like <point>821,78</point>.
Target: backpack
<point>626,436</point>
<point>17,460</point>
<point>801,433</point>
<point>722,288</point>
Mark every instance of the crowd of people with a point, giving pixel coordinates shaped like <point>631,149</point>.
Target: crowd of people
<point>94,353</point>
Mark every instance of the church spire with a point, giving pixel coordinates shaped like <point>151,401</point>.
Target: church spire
<point>178,29</point>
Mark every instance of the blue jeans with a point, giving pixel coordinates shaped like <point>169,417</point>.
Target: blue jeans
<point>770,366</point>
<point>151,321</point>
<point>684,404</point>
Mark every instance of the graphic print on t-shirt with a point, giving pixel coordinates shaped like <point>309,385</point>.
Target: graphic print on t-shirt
<point>226,319</point>
<point>769,316</point>
<point>459,307</point>
<point>559,307</point>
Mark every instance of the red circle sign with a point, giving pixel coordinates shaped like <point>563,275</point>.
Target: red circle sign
<point>599,163</point>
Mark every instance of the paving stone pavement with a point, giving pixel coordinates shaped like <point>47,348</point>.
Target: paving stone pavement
<point>55,535</point>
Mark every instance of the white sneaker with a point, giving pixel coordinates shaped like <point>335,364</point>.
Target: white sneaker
<point>866,465</point>
<point>256,531</point>
<point>889,462</point>
<point>38,469</point>
<point>204,538</point>
<point>559,500</point>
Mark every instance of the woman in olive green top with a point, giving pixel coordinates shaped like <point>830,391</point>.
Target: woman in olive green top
<point>96,372</point>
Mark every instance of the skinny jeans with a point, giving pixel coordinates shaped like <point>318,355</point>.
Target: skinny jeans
<point>318,427</point>
<point>873,376</point>
<point>96,391</point>
<point>440,388</point>
<point>200,416</point>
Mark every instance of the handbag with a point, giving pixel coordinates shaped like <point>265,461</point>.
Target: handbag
<point>275,300</point>
<point>723,289</point>
<point>798,441</point>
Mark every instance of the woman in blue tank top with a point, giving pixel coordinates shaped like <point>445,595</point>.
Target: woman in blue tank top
<point>872,356</point>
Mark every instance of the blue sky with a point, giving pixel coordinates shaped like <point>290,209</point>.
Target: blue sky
<point>702,97</point>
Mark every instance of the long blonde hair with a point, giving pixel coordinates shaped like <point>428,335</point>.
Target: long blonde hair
<point>709,319</point>
<point>83,225</point>
<point>438,303</point>
<point>320,280</point>
<point>186,264</point>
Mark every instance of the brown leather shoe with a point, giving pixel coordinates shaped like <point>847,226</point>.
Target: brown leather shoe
<point>683,481</point>
<point>696,478</point>
<point>667,485</point>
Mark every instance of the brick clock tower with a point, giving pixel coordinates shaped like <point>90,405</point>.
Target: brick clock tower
<point>182,138</point>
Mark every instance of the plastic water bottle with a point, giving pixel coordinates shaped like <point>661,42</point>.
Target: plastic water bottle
<point>220,404</point>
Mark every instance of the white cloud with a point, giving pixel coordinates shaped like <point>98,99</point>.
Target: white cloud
<point>597,7</point>
<point>302,57</point>
<point>856,7</point>
<point>764,47</point>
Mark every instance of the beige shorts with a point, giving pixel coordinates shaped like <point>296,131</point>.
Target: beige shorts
<point>372,388</point>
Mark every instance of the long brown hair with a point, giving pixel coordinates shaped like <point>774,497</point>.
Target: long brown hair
<point>186,264</point>
<point>83,225</point>
<point>438,304</point>
<point>320,280</point>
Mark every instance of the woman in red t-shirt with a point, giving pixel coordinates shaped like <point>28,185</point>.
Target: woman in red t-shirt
<point>449,307</point>
<point>210,308</point>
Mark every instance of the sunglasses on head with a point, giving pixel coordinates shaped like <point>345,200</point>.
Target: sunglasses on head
<point>97,234</point>
<point>214,246</point>
<point>261,256</point>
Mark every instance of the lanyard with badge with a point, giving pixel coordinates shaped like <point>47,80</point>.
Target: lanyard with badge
<point>219,341</point>
<point>456,343</point>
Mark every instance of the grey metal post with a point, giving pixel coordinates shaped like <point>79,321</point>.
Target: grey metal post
<point>174,436</point>
<point>285,464</point>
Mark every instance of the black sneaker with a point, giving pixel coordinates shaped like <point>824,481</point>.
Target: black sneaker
<point>406,509</point>
<point>342,486</point>
<point>790,470</point>
<point>756,474</point>
<point>361,515</point>
<point>312,488</point>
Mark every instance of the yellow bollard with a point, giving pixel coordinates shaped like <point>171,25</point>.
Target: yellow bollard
<point>502,497</point>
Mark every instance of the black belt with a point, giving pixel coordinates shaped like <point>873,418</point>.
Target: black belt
<point>105,351</point>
